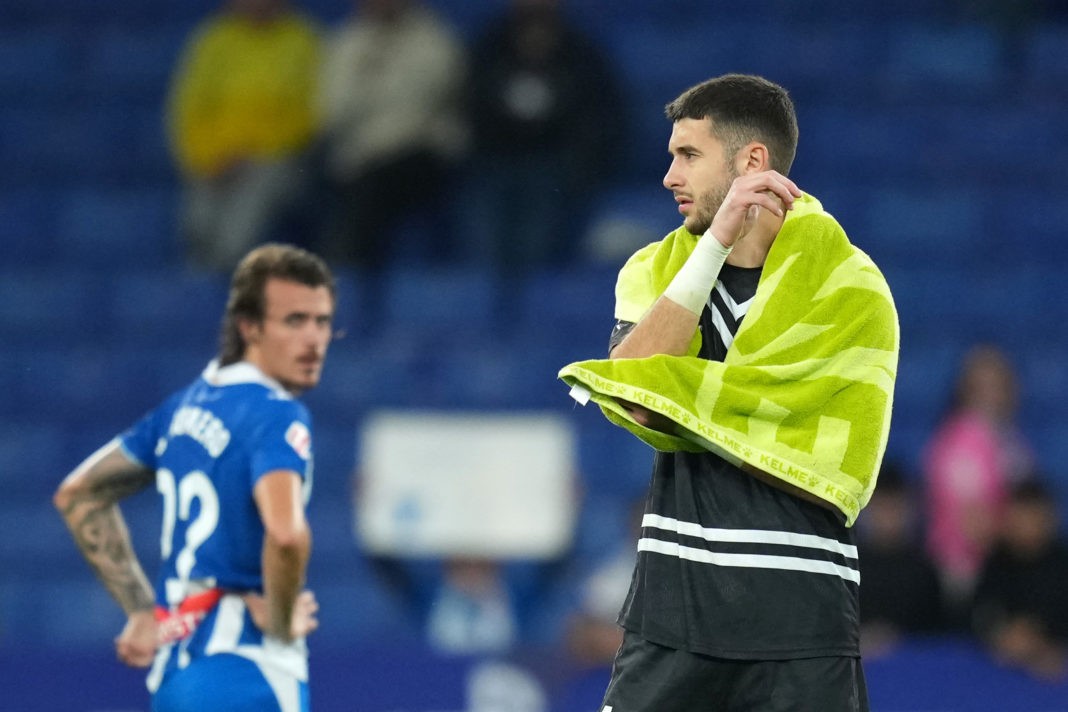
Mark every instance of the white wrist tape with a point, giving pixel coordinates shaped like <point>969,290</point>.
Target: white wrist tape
<point>694,282</point>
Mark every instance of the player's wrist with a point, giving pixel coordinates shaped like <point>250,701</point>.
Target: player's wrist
<point>721,241</point>
<point>694,281</point>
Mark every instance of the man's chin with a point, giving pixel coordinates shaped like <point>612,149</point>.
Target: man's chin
<point>302,383</point>
<point>696,227</point>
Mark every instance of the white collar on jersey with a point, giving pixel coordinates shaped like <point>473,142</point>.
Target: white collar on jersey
<point>241,372</point>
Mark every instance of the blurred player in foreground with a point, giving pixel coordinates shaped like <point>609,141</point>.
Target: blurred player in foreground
<point>231,457</point>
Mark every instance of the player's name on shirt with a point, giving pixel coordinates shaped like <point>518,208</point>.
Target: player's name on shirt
<point>202,426</point>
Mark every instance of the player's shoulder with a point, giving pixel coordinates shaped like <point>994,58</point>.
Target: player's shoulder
<point>243,386</point>
<point>648,253</point>
<point>284,405</point>
<point>264,403</point>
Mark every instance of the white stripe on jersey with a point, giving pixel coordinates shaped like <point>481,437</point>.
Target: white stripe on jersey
<point>737,311</point>
<point>289,658</point>
<point>229,624</point>
<point>759,561</point>
<point>159,666</point>
<point>750,536</point>
<point>286,687</point>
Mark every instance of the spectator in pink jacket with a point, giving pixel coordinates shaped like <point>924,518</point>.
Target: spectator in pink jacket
<point>975,455</point>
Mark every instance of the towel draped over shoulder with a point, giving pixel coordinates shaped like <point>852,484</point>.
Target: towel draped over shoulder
<point>806,390</point>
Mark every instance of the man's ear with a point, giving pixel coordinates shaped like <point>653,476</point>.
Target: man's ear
<point>250,330</point>
<point>752,158</point>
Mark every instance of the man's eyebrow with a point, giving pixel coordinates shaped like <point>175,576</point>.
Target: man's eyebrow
<point>684,148</point>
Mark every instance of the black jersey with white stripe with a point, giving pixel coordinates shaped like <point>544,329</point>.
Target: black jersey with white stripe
<point>728,565</point>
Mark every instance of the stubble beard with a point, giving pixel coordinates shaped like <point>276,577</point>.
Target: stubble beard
<point>706,207</point>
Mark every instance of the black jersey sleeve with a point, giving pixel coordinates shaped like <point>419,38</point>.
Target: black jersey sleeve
<point>619,332</point>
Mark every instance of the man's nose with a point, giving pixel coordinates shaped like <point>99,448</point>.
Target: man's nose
<point>672,178</point>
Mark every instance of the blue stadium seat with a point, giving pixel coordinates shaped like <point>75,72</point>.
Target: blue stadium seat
<point>470,19</point>
<point>135,61</point>
<point>611,460</point>
<point>356,609</point>
<point>115,382</point>
<point>601,526</point>
<point>1051,451</point>
<point>496,377</point>
<point>70,381</point>
<point>906,444</point>
<point>869,138</point>
<point>824,11</point>
<point>119,228</point>
<point>826,62</point>
<point>927,372</point>
<point>36,63</point>
<point>355,606</point>
<point>46,146</point>
<point>945,225</point>
<point>32,461</point>
<point>350,315</point>
<point>36,541</point>
<point>432,302</point>
<point>74,608</point>
<point>936,304</point>
<point>363,374</point>
<point>165,306</point>
<point>962,61</point>
<point>985,146</point>
<point>1046,58</point>
<point>1036,213</point>
<point>331,514</point>
<point>335,454</point>
<point>79,14</point>
<point>84,141</point>
<point>131,132</point>
<point>49,307</point>
<point>577,303</point>
<point>1043,371</point>
<point>29,220</point>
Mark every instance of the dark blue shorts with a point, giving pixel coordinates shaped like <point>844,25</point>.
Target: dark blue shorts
<point>651,678</point>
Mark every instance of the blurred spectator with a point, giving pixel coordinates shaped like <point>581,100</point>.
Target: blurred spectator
<point>547,119</point>
<point>391,99</point>
<point>593,631</point>
<point>1020,606</point>
<point>472,610</point>
<point>900,592</point>
<point>463,605</point>
<point>240,121</point>
<point>974,456</point>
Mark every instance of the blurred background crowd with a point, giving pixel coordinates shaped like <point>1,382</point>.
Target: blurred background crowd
<point>477,172</point>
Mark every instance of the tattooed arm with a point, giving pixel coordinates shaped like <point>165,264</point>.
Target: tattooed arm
<point>88,501</point>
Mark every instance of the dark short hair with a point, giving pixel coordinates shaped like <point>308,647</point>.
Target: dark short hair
<point>743,108</point>
<point>247,300</point>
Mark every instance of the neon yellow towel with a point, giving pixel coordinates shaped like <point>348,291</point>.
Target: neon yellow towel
<point>806,390</point>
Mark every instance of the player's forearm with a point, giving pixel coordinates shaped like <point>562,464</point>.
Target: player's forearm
<point>88,502</point>
<point>285,562</point>
<point>666,328</point>
<point>669,326</point>
<point>100,532</point>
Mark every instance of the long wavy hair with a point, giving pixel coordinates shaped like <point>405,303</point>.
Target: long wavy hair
<point>247,299</point>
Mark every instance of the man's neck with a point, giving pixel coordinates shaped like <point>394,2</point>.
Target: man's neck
<point>752,250</point>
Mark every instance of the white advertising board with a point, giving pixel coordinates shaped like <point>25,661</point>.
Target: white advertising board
<point>457,484</point>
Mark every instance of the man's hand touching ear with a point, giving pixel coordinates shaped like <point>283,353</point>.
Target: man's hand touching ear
<point>748,194</point>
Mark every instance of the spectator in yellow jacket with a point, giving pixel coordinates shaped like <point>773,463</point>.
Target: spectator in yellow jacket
<point>241,123</point>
